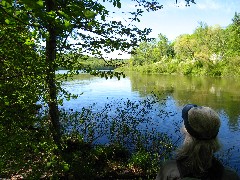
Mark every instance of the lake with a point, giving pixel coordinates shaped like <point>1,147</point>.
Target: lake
<point>221,94</point>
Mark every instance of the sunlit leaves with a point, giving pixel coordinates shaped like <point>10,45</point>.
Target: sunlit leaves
<point>153,51</point>
<point>120,122</point>
<point>29,70</point>
<point>89,14</point>
<point>7,21</point>
<point>67,23</point>
<point>185,46</point>
<point>68,16</point>
<point>29,42</point>
<point>209,50</point>
<point>6,4</point>
<point>233,38</point>
<point>63,14</point>
<point>40,3</point>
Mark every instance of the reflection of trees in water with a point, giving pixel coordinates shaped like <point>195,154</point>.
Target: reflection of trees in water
<point>218,93</point>
<point>147,84</point>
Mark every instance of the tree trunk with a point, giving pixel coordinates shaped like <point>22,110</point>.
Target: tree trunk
<point>50,76</point>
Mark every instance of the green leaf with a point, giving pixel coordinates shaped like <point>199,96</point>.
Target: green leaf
<point>40,3</point>
<point>67,23</point>
<point>7,103</point>
<point>3,3</point>
<point>89,14</point>
<point>65,167</point>
<point>7,21</point>
<point>60,101</point>
<point>90,23</point>
<point>119,4</point>
<point>17,12</point>
<point>28,42</point>
<point>34,33</point>
<point>63,14</point>
<point>49,164</point>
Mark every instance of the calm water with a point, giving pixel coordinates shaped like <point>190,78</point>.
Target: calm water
<point>222,94</point>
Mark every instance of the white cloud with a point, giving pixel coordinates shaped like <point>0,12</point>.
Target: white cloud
<point>209,5</point>
<point>225,6</point>
<point>200,4</point>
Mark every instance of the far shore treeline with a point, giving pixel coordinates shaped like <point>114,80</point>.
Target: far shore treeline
<point>208,51</point>
<point>86,62</point>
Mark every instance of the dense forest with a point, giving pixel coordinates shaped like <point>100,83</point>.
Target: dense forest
<point>209,50</point>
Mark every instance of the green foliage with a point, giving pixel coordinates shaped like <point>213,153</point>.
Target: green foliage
<point>128,149</point>
<point>154,51</point>
<point>30,153</point>
<point>209,51</point>
<point>233,32</point>
<point>142,160</point>
<point>82,153</point>
<point>87,23</point>
<point>21,86</point>
<point>74,61</point>
<point>28,71</point>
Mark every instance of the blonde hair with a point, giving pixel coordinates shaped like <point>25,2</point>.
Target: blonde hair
<point>199,153</point>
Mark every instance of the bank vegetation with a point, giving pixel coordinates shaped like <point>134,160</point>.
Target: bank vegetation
<point>208,51</point>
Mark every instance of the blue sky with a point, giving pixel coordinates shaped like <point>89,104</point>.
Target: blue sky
<point>176,19</point>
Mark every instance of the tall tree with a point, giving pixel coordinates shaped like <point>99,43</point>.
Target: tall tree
<point>63,26</point>
<point>143,54</point>
<point>210,42</point>
<point>153,51</point>
<point>163,47</point>
<point>55,22</point>
<point>185,47</point>
<point>233,34</point>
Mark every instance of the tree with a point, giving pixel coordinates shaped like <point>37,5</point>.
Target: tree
<point>233,36</point>
<point>153,51</point>
<point>21,85</point>
<point>143,54</point>
<point>63,26</point>
<point>163,47</point>
<point>211,42</point>
<point>185,47</point>
<point>54,22</point>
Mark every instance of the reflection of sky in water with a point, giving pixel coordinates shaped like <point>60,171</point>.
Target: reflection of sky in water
<point>101,91</point>
<point>98,90</point>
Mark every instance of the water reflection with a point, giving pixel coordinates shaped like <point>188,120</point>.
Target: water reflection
<point>222,94</point>
<point>173,92</point>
